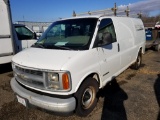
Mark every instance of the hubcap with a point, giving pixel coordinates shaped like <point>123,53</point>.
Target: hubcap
<point>88,97</point>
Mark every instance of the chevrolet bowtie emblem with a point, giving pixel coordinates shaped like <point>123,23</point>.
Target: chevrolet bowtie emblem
<point>22,76</point>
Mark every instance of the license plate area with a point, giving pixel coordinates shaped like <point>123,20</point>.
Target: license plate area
<point>21,100</point>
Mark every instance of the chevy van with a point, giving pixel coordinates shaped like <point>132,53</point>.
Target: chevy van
<point>73,59</point>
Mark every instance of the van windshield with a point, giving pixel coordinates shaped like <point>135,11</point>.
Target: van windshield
<point>72,34</point>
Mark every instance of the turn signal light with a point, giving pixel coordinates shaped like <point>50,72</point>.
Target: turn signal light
<point>65,81</point>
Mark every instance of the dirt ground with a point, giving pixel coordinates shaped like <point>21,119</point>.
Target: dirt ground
<point>133,95</point>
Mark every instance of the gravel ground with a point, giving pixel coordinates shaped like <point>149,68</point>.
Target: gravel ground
<point>133,95</point>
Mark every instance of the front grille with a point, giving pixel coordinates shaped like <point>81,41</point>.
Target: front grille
<point>33,72</point>
<point>33,78</point>
<point>32,82</point>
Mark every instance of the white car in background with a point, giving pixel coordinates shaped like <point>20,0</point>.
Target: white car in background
<point>157,25</point>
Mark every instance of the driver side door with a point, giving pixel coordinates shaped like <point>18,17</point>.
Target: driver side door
<point>109,53</point>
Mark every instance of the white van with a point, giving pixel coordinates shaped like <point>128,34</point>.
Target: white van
<point>13,38</point>
<point>75,58</point>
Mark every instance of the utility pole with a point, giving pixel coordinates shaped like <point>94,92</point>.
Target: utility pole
<point>114,9</point>
<point>127,11</point>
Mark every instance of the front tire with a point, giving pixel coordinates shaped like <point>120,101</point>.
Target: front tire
<point>86,97</point>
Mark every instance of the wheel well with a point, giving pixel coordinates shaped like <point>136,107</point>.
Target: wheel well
<point>95,76</point>
<point>140,51</point>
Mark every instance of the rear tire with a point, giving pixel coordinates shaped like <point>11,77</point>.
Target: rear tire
<point>86,97</point>
<point>138,62</point>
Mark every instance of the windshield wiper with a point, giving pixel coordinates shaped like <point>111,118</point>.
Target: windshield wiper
<point>38,45</point>
<point>58,47</point>
<point>65,48</point>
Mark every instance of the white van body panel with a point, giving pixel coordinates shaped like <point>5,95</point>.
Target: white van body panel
<point>128,38</point>
<point>9,42</point>
<point>6,48</point>
<point>6,59</point>
<point>61,60</point>
<point>51,60</point>
<point>4,15</point>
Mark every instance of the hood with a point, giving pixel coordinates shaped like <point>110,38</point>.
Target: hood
<point>49,59</point>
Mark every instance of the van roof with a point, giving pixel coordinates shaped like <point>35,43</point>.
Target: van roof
<point>78,17</point>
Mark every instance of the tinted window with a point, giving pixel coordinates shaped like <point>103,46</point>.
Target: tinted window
<point>73,34</point>
<point>106,25</point>
<point>23,33</point>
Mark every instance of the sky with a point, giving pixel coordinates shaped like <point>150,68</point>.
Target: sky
<point>51,10</point>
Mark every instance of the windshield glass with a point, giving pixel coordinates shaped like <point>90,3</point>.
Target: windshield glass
<point>73,34</point>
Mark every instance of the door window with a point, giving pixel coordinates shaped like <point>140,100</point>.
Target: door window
<point>106,26</point>
<point>23,33</point>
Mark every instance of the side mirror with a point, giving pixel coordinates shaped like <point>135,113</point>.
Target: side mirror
<point>107,38</point>
<point>34,35</point>
<point>103,39</point>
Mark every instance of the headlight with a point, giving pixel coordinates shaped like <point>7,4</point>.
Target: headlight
<point>59,81</point>
<point>53,77</point>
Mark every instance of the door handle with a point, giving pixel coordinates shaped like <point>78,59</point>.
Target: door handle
<point>118,47</point>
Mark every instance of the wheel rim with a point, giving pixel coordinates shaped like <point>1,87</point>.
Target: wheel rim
<point>88,97</point>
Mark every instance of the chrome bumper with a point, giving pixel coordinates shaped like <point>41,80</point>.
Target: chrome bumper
<point>42,101</point>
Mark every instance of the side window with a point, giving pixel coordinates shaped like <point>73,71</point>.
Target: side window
<point>23,33</point>
<point>106,26</point>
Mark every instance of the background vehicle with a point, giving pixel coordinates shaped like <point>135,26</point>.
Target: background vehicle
<point>13,38</point>
<point>153,42</point>
<point>157,25</point>
<point>25,35</point>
